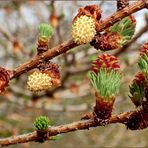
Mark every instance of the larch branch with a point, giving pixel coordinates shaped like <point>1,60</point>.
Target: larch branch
<point>53,131</point>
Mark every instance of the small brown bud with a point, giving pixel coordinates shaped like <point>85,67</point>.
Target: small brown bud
<point>42,45</point>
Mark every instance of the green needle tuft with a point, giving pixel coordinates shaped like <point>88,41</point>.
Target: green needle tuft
<point>137,93</point>
<point>42,123</point>
<point>143,65</point>
<point>125,28</point>
<point>106,83</point>
<point>45,30</point>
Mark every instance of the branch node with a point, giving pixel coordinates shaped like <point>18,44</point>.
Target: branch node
<point>42,135</point>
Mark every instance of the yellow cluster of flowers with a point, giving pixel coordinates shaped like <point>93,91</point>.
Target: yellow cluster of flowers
<point>83,29</point>
<point>38,81</point>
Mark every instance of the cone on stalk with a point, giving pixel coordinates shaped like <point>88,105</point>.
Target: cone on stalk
<point>106,79</point>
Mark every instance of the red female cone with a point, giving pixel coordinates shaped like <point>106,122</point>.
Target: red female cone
<point>105,77</point>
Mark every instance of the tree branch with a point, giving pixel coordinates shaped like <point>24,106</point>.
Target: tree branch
<point>53,131</point>
<point>64,47</point>
<point>117,16</point>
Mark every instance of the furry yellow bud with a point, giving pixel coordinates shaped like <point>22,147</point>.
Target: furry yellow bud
<point>83,29</point>
<point>38,81</point>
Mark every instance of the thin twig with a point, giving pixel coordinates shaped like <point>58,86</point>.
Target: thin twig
<point>53,131</point>
<point>117,16</point>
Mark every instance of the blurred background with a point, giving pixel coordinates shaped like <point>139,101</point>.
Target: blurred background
<point>68,103</point>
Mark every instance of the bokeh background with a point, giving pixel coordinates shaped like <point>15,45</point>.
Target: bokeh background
<point>19,107</point>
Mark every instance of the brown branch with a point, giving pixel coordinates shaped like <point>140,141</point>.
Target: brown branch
<point>64,47</point>
<point>60,49</point>
<point>53,131</point>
